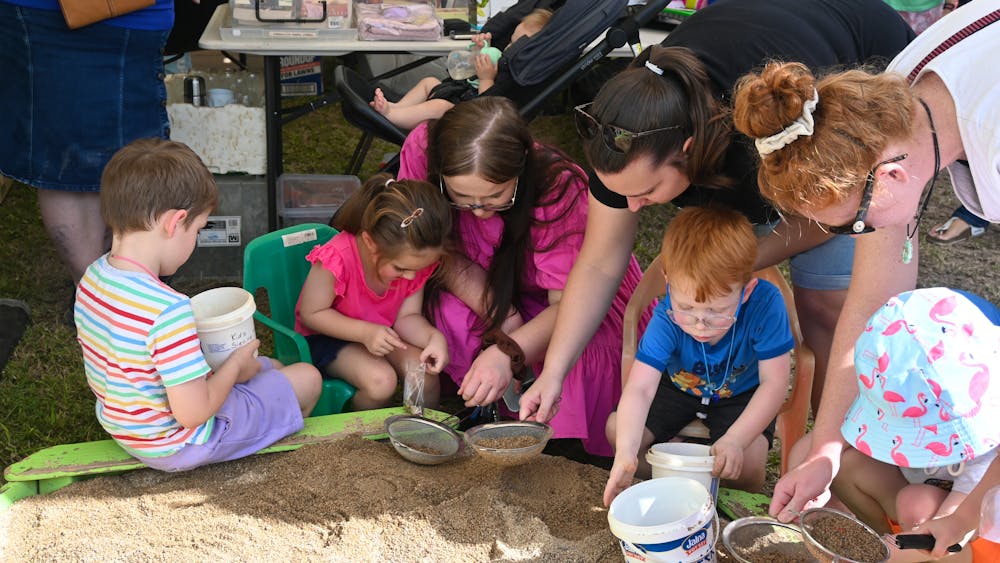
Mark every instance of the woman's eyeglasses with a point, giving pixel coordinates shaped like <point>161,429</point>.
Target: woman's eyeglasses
<point>615,138</point>
<point>484,206</point>
<point>858,226</point>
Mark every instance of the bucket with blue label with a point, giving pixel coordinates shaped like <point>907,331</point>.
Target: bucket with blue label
<point>665,520</point>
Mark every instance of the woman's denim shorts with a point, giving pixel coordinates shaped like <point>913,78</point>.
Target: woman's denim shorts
<point>824,267</point>
<point>71,99</point>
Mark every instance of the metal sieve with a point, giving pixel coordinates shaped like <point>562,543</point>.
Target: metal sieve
<point>422,440</point>
<point>808,521</point>
<point>758,538</point>
<point>480,437</point>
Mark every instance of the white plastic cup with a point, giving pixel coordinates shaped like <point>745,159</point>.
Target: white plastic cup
<point>683,459</point>
<point>218,97</point>
<point>224,319</point>
<point>669,519</point>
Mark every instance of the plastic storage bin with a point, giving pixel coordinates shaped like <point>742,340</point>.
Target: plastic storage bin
<point>312,198</point>
<point>289,19</point>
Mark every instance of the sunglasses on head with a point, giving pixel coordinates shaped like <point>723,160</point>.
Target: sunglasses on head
<point>858,226</point>
<point>615,138</point>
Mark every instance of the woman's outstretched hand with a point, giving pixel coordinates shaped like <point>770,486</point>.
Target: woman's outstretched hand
<point>540,402</point>
<point>487,379</point>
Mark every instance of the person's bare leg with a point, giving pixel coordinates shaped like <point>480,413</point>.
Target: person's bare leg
<point>74,224</point>
<point>868,488</point>
<point>409,117</point>
<point>420,92</point>
<point>818,311</point>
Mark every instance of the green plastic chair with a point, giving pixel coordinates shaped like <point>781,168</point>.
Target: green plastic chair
<point>277,263</point>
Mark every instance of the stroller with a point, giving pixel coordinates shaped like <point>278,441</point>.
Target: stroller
<point>530,71</point>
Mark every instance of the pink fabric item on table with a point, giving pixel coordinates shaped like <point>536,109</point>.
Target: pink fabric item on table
<point>353,297</point>
<point>593,386</point>
<point>402,22</point>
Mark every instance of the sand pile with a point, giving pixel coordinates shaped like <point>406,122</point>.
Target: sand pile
<point>350,500</point>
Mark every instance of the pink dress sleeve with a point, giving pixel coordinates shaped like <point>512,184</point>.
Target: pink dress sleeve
<point>560,236</point>
<point>334,256</point>
<point>413,155</point>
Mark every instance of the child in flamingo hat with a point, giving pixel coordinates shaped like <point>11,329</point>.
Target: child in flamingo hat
<point>927,420</point>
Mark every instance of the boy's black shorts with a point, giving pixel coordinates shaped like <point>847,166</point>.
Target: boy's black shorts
<point>672,410</point>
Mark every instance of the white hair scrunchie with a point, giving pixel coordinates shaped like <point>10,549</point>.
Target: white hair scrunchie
<point>654,68</point>
<point>801,126</point>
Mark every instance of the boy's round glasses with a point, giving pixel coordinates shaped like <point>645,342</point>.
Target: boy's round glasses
<point>615,138</point>
<point>475,206</point>
<point>858,226</point>
<point>716,322</point>
<point>683,318</point>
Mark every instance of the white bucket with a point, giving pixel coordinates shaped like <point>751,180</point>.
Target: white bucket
<point>665,520</point>
<point>224,319</point>
<point>682,459</point>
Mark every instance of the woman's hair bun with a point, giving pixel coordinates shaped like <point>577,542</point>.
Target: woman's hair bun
<point>767,102</point>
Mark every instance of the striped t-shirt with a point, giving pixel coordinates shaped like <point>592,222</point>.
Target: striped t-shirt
<point>138,338</point>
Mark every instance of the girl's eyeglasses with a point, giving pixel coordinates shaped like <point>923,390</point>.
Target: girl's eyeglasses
<point>475,206</point>
<point>615,138</point>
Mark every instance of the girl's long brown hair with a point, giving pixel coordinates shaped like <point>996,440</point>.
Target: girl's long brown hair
<point>486,137</point>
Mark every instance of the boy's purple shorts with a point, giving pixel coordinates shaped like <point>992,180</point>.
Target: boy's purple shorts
<point>255,415</point>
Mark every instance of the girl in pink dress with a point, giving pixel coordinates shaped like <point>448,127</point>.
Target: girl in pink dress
<point>360,306</point>
<point>520,211</point>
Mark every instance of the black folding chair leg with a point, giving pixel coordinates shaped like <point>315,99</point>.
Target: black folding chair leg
<point>360,152</point>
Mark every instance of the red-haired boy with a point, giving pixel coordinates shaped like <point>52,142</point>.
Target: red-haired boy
<point>718,348</point>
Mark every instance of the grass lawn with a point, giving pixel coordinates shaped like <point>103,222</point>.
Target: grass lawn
<point>44,399</point>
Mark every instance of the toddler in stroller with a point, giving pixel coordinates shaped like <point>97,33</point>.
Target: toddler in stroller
<point>432,97</point>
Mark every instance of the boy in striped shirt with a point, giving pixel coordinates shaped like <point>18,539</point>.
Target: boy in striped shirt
<point>156,395</point>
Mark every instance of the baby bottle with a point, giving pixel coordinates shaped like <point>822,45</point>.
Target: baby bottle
<point>462,62</point>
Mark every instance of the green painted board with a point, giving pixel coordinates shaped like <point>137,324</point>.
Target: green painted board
<point>106,456</point>
<point>15,491</point>
<point>737,504</point>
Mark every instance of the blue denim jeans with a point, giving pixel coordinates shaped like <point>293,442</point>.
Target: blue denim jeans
<point>71,99</point>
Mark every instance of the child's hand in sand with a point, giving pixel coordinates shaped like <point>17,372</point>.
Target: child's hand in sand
<point>622,475</point>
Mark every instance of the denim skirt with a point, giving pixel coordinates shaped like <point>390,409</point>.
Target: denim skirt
<point>71,98</point>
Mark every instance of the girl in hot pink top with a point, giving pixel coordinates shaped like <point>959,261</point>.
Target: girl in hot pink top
<point>360,306</point>
<point>521,208</point>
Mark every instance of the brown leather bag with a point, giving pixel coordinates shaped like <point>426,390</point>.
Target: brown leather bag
<point>80,13</point>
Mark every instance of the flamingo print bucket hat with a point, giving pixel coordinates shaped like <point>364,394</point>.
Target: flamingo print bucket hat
<point>925,397</point>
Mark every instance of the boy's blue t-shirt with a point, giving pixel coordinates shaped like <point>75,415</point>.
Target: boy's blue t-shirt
<point>761,332</point>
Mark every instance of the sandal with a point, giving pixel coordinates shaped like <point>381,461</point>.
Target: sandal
<point>938,234</point>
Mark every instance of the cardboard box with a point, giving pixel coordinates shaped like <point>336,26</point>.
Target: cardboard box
<point>301,75</point>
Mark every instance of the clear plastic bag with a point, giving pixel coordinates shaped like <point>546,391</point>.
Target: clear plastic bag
<point>413,388</point>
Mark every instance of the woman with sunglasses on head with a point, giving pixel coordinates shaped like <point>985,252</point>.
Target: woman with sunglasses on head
<point>520,212</point>
<point>659,132</point>
<point>866,164</point>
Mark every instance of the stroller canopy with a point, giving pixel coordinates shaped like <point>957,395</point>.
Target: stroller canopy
<point>573,26</point>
